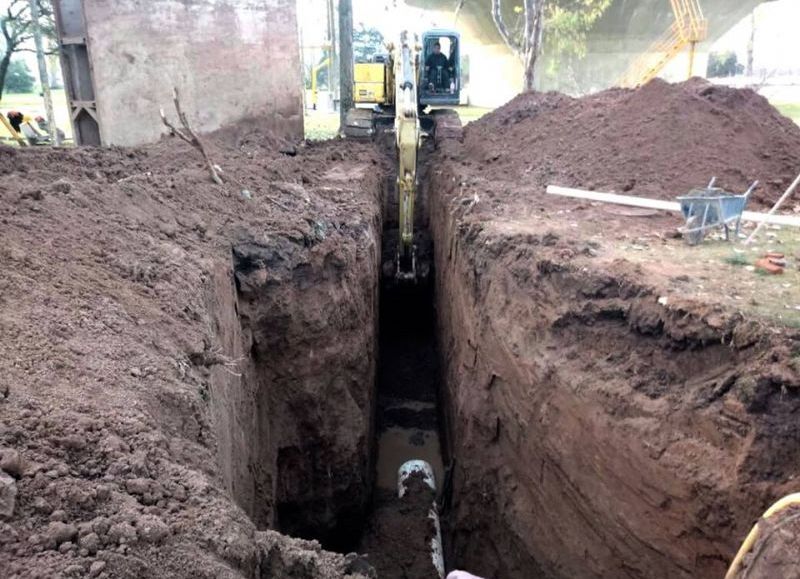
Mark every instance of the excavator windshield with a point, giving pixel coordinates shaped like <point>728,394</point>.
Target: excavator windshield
<point>441,68</point>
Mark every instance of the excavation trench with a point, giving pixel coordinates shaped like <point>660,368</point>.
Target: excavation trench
<point>587,430</point>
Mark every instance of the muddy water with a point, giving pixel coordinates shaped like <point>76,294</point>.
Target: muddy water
<point>397,445</point>
<point>398,533</point>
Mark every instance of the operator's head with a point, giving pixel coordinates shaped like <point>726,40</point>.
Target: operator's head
<point>437,48</point>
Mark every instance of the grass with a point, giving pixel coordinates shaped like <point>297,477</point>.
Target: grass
<point>33,104</point>
<point>723,272</point>
<point>321,126</point>
<point>791,110</point>
<point>737,259</point>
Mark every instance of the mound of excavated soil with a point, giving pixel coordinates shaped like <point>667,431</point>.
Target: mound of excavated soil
<point>142,390</point>
<point>659,141</point>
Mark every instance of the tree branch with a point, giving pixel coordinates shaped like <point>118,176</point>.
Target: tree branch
<point>188,135</point>
<point>497,17</point>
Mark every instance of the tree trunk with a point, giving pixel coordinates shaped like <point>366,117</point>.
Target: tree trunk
<point>502,29</point>
<point>345,59</point>
<point>333,67</point>
<point>5,62</point>
<point>532,39</point>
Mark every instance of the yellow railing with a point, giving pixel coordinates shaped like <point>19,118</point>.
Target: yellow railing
<point>689,28</point>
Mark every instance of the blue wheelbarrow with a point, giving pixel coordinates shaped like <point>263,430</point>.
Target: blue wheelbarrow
<point>710,208</point>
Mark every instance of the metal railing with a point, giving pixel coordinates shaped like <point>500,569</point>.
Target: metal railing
<point>689,28</point>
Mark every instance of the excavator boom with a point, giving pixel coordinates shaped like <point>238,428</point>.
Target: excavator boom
<point>408,136</point>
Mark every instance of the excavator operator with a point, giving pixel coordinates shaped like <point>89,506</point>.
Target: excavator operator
<point>437,70</point>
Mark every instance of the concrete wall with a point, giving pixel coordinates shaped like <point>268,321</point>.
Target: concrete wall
<point>230,60</point>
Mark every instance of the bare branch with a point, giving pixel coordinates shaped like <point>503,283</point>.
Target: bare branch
<point>497,17</point>
<point>188,135</point>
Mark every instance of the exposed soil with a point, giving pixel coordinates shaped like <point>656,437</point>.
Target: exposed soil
<point>777,552</point>
<point>189,370</point>
<point>170,345</point>
<point>398,538</point>
<point>598,429</point>
<point>659,141</point>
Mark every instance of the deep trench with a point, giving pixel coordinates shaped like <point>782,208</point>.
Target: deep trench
<point>290,476</point>
<point>409,422</point>
<point>524,410</point>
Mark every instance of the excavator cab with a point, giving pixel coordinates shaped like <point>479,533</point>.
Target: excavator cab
<point>440,73</point>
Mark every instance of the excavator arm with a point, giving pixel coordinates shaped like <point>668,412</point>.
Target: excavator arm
<point>408,136</point>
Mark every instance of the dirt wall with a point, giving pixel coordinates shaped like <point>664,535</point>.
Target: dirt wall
<point>144,394</point>
<point>596,430</point>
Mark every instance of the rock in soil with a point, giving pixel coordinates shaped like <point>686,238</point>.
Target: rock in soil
<point>8,495</point>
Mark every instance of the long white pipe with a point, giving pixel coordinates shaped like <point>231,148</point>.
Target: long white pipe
<point>420,467</point>
<point>789,220</point>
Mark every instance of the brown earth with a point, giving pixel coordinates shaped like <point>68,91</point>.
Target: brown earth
<point>659,141</point>
<point>187,365</point>
<point>777,551</point>
<point>398,538</point>
<point>170,344</point>
<point>599,429</point>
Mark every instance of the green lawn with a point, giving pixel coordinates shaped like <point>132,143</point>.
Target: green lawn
<point>320,126</point>
<point>791,110</point>
<point>32,104</point>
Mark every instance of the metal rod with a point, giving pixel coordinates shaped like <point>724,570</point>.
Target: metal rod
<point>43,77</point>
<point>775,207</point>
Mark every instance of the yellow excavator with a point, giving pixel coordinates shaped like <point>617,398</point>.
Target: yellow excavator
<point>395,90</point>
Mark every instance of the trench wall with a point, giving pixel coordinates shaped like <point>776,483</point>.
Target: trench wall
<point>294,422</point>
<point>595,433</point>
<point>230,59</point>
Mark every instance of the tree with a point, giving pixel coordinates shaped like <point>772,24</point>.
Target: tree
<point>558,26</point>
<point>345,59</point>
<point>367,43</point>
<point>19,78</point>
<point>722,64</point>
<point>17,30</point>
<point>525,39</point>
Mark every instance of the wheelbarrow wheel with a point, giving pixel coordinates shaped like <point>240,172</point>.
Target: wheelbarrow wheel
<point>693,235</point>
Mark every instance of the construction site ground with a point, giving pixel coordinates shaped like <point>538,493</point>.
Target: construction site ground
<point>189,370</point>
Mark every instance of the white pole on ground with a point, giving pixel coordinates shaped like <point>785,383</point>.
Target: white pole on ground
<point>44,79</point>
<point>775,207</point>
<point>790,220</point>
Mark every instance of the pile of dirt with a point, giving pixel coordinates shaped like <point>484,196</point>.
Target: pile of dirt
<point>131,418</point>
<point>658,141</point>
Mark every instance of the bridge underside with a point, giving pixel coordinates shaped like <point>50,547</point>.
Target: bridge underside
<point>627,29</point>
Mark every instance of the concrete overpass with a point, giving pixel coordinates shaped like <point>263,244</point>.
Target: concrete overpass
<point>627,29</point>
